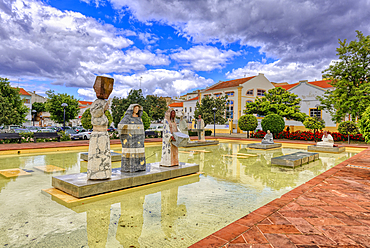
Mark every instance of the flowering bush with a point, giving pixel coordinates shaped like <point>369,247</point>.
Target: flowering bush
<point>309,136</point>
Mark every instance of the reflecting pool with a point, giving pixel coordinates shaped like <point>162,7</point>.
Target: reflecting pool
<point>174,213</point>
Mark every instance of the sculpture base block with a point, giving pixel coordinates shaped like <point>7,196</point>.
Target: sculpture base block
<point>78,185</point>
<point>263,146</point>
<point>201,143</point>
<point>295,159</point>
<point>114,156</point>
<point>315,148</point>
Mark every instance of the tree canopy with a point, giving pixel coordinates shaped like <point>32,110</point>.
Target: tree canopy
<point>205,110</point>
<point>273,122</point>
<point>38,106</point>
<point>314,123</point>
<point>155,107</point>
<point>364,125</point>
<point>12,109</point>
<point>277,101</point>
<point>349,76</point>
<point>54,106</point>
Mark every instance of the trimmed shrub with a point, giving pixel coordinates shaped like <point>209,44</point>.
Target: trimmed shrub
<point>248,123</point>
<point>314,123</point>
<point>274,123</point>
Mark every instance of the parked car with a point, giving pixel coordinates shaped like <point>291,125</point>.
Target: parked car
<point>111,129</point>
<point>47,130</point>
<point>73,134</point>
<point>78,128</point>
<point>33,129</point>
<point>86,134</point>
<point>21,130</point>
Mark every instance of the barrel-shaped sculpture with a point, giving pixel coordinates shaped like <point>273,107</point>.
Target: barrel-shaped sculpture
<point>132,137</point>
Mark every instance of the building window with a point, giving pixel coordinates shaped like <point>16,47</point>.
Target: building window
<point>208,95</point>
<point>315,112</point>
<point>218,95</point>
<point>185,110</point>
<point>230,109</point>
<point>261,92</point>
<point>26,100</point>
<point>250,92</point>
<point>190,109</point>
<point>229,93</point>
<point>249,101</point>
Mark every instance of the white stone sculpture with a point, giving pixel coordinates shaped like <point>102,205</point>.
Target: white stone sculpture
<point>327,140</point>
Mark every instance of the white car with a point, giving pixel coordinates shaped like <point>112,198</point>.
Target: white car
<point>86,134</point>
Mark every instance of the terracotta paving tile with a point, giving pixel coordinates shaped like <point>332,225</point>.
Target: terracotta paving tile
<point>238,240</point>
<point>341,246</point>
<point>335,208</point>
<point>349,230</point>
<point>279,241</point>
<point>310,239</point>
<point>303,226</point>
<point>248,246</point>
<point>266,210</point>
<point>250,219</point>
<point>355,207</point>
<point>231,231</point>
<point>295,206</point>
<point>366,222</point>
<point>266,222</point>
<point>330,201</point>
<point>361,239</point>
<point>324,221</point>
<point>254,236</point>
<point>210,241</point>
<point>359,215</point>
<point>319,212</point>
<point>307,246</point>
<point>346,219</point>
<point>277,219</point>
<point>297,214</point>
<point>333,234</point>
<point>278,229</point>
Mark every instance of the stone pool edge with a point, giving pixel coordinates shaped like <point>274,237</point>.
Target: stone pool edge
<point>231,232</point>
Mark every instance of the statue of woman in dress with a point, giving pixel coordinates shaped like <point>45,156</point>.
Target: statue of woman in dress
<point>132,135</point>
<point>327,140</point>
<point>170,154</point>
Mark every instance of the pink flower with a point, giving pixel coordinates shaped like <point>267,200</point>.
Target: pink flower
<point>31,139</point>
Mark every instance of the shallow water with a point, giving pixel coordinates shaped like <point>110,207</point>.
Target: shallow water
<point>176,213</point>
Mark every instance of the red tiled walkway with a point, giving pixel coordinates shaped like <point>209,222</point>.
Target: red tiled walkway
<point>330,210</point>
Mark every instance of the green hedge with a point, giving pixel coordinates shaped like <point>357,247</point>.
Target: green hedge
<point>207,133</point>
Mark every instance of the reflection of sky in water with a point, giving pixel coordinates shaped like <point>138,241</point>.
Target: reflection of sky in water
<point>175,213</point>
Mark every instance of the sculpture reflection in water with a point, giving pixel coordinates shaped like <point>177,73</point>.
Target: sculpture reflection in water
<point>129,220</point>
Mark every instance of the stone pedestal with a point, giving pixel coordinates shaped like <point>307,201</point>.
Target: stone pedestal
<point>315,148</point>
<point>263,146</point>
<point>115,157</point>
<point>99,164</point>
<point>295,159</point>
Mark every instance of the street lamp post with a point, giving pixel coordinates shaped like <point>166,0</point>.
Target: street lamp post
<point>64,105</point>
<point>34,113</point>
<point>317,118</point>
<point>214,121</point>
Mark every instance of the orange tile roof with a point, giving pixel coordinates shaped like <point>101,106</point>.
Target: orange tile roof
<point>231,83</point>
<point>81,107</point>
<point>287,86</point>
<point>23,92</point>
<point>322,84</point>
<point>85,102</point>
<point>195,98</point>
<point>176,104</point>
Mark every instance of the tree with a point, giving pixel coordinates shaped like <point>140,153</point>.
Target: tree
<point>53,105</point>
<point>12,109</point>
<point>86,119</point>
<point>314,123</point>
<point>146,120</point>
<point>155,107</point>
<point>364,125</point>
<point>248,123</point>
<point>38,106</point>
<point>205,109</point>
<point>277,101</point>
<point>349,77</point>
<point>348,128</point>
<point>274,123</point>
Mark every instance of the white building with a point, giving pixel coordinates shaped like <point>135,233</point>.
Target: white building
<point>307,92</point>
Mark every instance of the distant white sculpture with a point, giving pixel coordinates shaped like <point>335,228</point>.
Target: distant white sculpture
<point>200,127</point>
<point>268,139</point>
<point>327,140</point>
<point>183,127</point>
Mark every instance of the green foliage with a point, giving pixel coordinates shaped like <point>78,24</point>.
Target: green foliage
<point>274,123</point>
<point>12,110</point>
<point>347,127</point>
<point>364,125</point>
<point>350,79</point>
<point>277,101</point>
<point>38,106</point>
<point>146,120</point>
<point>314,123</point>
<point>205,110</point>
<point>248,123</point>
<point>86,119</point>
<point>64,136</point>
<point>155,107</point>
<point>206,133</point>
<point>53,106</point>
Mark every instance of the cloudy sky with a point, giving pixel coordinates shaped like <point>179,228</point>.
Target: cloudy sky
<point>170,47</point>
